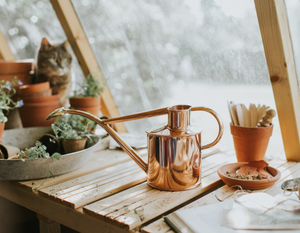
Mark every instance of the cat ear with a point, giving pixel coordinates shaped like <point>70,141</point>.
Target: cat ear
<point>66,44</point>
<point>45,44</point>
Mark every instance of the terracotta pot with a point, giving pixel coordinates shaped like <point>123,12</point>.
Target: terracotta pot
<point>73,145</point>
<point>34,90</point>
<point>232,168</point>
<point>34,113</point>
<point>88,104</point>
<point>8,151</point>
<point>2,125</point>
<point>40,99</point>
<point>16,66</point>
<point>250,143</point>
<point>22,69</point>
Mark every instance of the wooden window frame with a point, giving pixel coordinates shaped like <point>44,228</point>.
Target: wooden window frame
<point>273,23</point>
<point>5,52</point>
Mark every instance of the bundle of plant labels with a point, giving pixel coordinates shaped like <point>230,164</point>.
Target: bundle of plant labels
<point>255,116</point>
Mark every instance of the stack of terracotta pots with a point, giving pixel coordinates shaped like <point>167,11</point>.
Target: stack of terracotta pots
<point>22,70</point>
<point>38,104</point>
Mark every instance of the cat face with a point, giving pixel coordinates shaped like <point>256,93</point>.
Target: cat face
<point>54,59</point>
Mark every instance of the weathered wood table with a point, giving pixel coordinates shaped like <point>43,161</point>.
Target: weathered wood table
<point>109,194</point>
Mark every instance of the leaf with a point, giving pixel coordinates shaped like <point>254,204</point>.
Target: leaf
<point>51,174</point>
<point>56,156</point>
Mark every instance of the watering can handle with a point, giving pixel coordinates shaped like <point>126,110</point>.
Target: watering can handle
<point>220,123</point>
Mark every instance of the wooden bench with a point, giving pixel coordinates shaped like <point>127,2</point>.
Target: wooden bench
<point>110,194</point>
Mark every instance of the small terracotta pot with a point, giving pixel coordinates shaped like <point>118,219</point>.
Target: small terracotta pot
<point>8,151</point>
<point>250,143</point>
<point>88,104</point>
<point>35,113</point>
<point>35,90</point>
<point>73,145</point>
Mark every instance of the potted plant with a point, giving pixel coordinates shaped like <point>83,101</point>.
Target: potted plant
<point>72,140</point>
<point>7,103</point>
<point>39,150</point>
<point>77,122</point>
<point>23,70</point>
<point>87,96</point>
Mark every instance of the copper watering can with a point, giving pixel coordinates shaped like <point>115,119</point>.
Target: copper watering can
<point>174,149</point>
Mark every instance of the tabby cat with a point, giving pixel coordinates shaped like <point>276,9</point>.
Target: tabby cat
<point>53,64</point>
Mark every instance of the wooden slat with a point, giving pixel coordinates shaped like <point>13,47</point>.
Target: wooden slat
<point>5,52</point>
<point>273,23</point>
<point>69,217</point>
<point>98,160</point>
<point>210,164</point>
<point>120,210</point>
<point>85,56</point>
<point>94,186</point>
<point>128,194</point>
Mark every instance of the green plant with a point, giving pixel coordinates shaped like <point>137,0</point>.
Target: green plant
<point>63,130</point>
<point>77,122</point>
<point>7,91</point>
<point>90,87</point>
<point>37,151</point>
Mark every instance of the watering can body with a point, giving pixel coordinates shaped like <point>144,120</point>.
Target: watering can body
<point>174,149</point>
<point>174,159</point>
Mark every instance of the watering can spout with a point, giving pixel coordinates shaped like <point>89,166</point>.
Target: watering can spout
<point>58,112</point>
<point>126,147</point>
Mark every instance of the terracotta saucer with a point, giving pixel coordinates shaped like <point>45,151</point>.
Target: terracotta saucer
<point>247,184</point>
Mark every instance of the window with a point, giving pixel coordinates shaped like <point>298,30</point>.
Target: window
<point>25,23</point>
<point>156,53</point>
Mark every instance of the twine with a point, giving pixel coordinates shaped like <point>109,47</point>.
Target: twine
<point>240,192</point>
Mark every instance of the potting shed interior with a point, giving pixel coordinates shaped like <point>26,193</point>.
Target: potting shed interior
<point>151,55</point>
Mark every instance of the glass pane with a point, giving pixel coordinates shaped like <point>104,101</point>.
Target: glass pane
<point>159,53</point>
<point>25,23</point>
<point>293,7</point>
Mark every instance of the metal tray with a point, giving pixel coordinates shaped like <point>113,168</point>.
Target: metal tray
<point>16,169</point>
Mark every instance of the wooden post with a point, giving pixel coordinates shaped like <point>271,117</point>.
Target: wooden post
<point>47,225</point>
<point>5,52</point>
<point>273,23</point>
<point>82,49</point>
